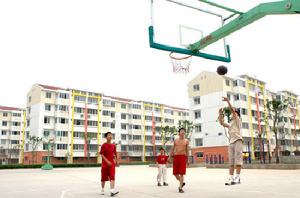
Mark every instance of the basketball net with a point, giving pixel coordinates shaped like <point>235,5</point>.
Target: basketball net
<point>181,64</point>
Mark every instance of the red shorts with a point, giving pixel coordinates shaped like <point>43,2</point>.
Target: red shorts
<point>179,165</point>
<point>108,173</point>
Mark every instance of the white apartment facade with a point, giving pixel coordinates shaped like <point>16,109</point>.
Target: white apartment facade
<point>12,134</point>
<point>249,96</point>
<point>50,111</point>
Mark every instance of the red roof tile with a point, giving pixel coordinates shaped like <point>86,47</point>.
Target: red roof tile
<point>50,87</point>
<point>9,108</point>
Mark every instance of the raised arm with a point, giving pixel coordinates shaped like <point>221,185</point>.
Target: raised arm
<point>221,119</point>
<point>235,116</point>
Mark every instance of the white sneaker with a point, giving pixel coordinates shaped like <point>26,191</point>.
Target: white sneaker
<point>229,181</point>
<point>237,180</point>
<point>102,192</point>
<point>113,193</point>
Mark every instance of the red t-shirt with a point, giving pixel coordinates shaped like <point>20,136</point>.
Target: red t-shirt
<point>162,159</point>
<point>109,151</point>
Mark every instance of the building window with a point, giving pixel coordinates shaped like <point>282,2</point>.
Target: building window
<point>123,106</point>
<point>243,97</point>
<point>62,146</point>
<point>136,127</point>
<point>199,154</point>
<point>169,111</point>
<point>14,141</point>
<point>197,114</point>
<point>229,96</point>
<point>199,142</point>
<point>63,95</point>
<point>16,114</point>
<point>236,97</point>
<point>123,116</point>
<point>47,107</point>
<point>227,82</point>
<point>235,83</point>
<point>62,120</point>
<point>136,117</point>
<point>124,148</point>
<point>46,120</point>
<point>92,123</point>
<point>198,128</point>
<point>3,132</point>
<point>196,87</point>
<point>123,126</point>
<point>137,137</point>
<point>62,133</point>
<point>196,100</point>
<point>123,137</point>
<point>46,133</point>
<point>16,123</point>
<point>245,125</point>
<point>242,83</point>
<point>243,111</point>
<point>5,114</point>
<point>4,123</point>
<point>48,95</point>
<point>15,132</point>
<point>136,106</point>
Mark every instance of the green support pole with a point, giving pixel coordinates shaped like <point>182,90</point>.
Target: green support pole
<point>48,166</point>
<point>222,7</point>
<point>280,7</point>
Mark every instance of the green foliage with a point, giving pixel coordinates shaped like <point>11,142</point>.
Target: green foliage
<point>188,126</point>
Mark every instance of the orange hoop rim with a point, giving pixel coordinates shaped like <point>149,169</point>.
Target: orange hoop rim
<point>175,58</point>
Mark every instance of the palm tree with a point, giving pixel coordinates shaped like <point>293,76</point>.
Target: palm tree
<point>276,108</point>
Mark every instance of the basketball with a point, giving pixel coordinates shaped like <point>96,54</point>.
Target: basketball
<point>222,70</point>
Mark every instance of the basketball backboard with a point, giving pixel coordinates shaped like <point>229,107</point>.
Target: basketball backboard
<point>176,25</point>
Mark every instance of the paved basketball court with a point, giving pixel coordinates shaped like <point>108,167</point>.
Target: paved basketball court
<point>139,181</point>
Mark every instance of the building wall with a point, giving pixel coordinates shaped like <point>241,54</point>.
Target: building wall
<point>242,92</point>
<point>11,134</point>
<point>111,119</point>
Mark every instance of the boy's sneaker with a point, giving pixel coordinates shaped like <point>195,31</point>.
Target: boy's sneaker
<point>158,184</point>
<point>237,180</point>
<point>113,193</point>
<point>102,192</point>
<point>166,184</point>
<point>229,181</point>
<point>180,190</point>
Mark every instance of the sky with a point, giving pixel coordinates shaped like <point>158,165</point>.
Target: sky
<point>102,46</point>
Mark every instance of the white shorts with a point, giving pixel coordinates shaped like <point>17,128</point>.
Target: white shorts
<point>235,153</point>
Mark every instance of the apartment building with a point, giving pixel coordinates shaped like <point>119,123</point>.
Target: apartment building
<point>249,95</point>
<point>74,122</point>
<point>12,134</point>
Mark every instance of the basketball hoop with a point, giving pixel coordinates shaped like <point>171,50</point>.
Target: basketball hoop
<point>181,64</point>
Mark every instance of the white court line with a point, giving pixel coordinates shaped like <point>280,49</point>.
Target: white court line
<point>63,193</point>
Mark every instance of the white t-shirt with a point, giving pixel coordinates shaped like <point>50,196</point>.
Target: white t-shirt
<point>234,131</point>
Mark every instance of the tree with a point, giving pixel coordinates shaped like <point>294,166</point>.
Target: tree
<point>276,109</point>
<point>34,142</point>
<point>167,131</point>
<point>188,126</point>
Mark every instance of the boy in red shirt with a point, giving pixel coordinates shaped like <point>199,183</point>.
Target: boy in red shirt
<point>162,161</point>
<point>108,153</point>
